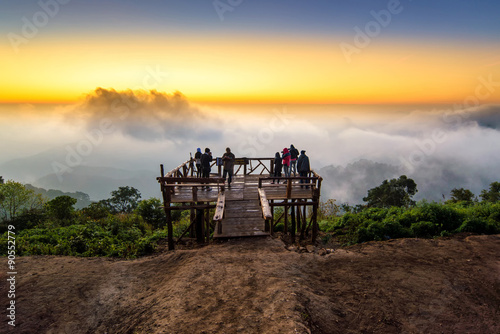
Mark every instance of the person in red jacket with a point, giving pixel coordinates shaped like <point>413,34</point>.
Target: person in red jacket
<point>286,162</point>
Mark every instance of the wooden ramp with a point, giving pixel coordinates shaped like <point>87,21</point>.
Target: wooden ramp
<point>243,214</point>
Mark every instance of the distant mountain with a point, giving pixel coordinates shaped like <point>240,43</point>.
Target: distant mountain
<point>99,182</point>
<point>30,168</point>
<point>83,200</point>
<point>435,179</point>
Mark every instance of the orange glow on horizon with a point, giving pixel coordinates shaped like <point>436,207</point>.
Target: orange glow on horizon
<point>228,71</point>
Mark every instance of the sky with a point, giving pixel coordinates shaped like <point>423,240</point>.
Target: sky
<point>353,51</point>
<point>132,84</point>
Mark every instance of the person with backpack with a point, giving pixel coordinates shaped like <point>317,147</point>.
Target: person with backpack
<point>278,167</point>
<point>206,159</point>
<point>197,159</point>
<point>294,154</point>
<point>304,167</point>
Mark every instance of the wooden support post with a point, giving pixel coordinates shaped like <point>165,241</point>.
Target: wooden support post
<point>315,222</point>
<point>195,194</point>
<point>299,226</point>
<point>272,218</point>
<point>162,172</point>
<point>285,229</point>
<point>294,227</point>
<point>168,214</point>
<point>170,229</point>
<point>192,217</point>
<point>289,188</point>
<point>207,222</point>
<point>199,224</point>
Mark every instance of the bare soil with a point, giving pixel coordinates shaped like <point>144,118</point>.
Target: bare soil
<point>256,285</point>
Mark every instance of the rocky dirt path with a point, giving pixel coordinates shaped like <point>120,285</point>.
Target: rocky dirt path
<point>258,286</point>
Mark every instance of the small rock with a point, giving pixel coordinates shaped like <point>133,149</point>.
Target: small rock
<point>322,252</point>
<point>310,248</point>
<point>302,249</point>
<point>292,248</point>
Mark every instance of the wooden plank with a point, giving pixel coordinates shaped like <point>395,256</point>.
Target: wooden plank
<point>219,209</point>
<point>266,209</point>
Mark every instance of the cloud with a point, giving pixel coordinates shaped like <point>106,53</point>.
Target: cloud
<point>144,115</point>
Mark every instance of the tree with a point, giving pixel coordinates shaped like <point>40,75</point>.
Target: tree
<point>123,200</point>
<point>395,192</point>
<point>96,210</point>
<point>493,194</point>
<point>61,207</point>
<point>152,212</point>
<point>1,180</point>
<point>461,195</point>
<point>16,199</point>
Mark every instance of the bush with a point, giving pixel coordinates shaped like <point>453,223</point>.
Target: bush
<point>424,229</point>
<point>479,225</point>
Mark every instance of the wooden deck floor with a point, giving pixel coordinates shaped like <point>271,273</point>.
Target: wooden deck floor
<point>243,214</point>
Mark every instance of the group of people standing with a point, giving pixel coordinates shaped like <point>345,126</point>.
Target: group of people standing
<point>291,162</point>
<point>204,160</point>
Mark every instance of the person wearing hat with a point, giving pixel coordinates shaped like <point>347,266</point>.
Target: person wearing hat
<point>303,167</point>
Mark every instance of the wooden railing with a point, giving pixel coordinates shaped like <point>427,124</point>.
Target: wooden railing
<point>249,166</point>
<point>184,176</point>
<point>292,203</point>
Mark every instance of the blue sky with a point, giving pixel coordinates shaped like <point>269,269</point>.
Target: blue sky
<point>459,19</point>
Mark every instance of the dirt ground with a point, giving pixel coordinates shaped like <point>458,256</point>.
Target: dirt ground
<point>258,286</point>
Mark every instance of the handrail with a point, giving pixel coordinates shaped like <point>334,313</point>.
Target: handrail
<point>266,209</point>
<point>220,211</point>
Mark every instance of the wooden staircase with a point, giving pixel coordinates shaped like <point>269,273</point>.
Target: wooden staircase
<point>243,214</point>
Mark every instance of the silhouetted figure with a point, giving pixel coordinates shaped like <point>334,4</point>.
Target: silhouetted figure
<point>197,159</point>
<point>294,154</point>
<point>206,159</point>
<point>278,166</point>
<point>303,167</point>
<point>228,162</point>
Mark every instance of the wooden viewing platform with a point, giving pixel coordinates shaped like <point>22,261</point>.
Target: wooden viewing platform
<point>247,207</point>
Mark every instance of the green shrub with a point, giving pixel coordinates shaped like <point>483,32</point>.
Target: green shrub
<point>424,229</point>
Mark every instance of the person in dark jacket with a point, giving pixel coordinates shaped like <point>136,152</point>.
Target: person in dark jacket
<point>197,158</point>
<point>294,154</point>
<point>206,159</point>
<point>278,166</point>
<point>303,167</point>
<point>228,161</point>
